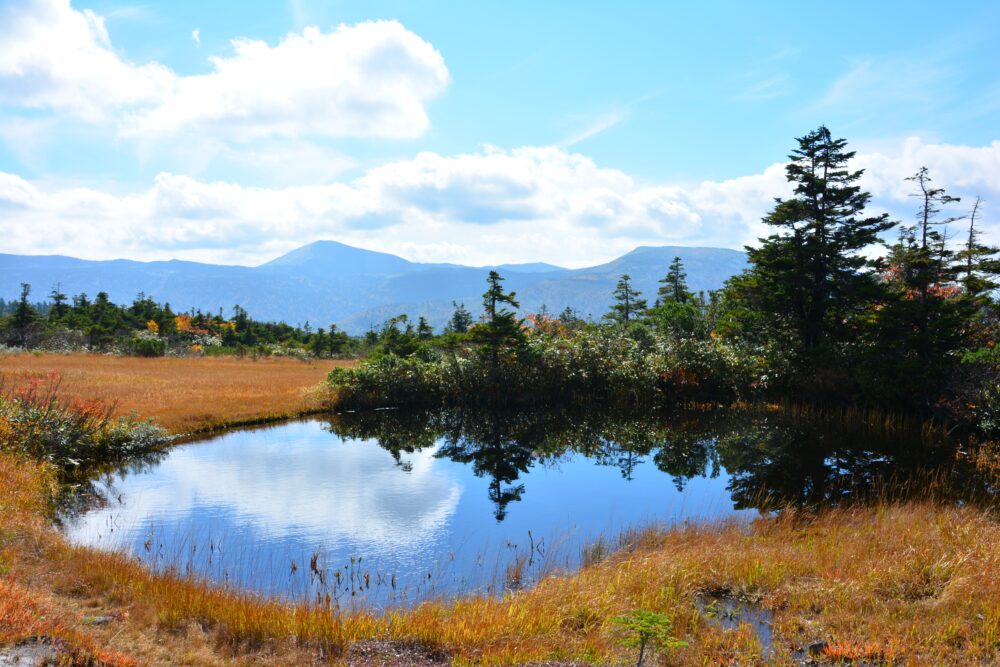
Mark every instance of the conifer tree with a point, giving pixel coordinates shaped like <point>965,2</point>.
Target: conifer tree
<point>24,316</point>
<point>59,307</point>
<point>629,303</point>
<point>811,274</point>
<point>674,285</point>
<point>977,265</point>
<point>501,328</point>
<point>461,319</point>
<point>926,316</point>
<point>424,330</point>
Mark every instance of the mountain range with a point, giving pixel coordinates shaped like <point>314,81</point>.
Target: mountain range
<point>329,282</point>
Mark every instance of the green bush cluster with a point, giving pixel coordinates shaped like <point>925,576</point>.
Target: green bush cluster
<point>75,437</point>
<point>600,364</point>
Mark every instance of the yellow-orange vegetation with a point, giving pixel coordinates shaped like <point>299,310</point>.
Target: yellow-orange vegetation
<point>182,394</point>
<point>913,583</point>
<point>916,583</point>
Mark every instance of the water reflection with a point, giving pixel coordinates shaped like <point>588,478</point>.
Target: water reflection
<point>772,458</point>
<point>390,507</point>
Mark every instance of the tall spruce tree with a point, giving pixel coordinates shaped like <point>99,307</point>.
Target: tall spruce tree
<point>24,317</point>
<point>501,329</point>
<point>927,316</point>
<point>461,319</point>
<point>811,273</point>
<point>673,287</point>
<point>629,303</point>
<point>978,264</point>
<point>59,305</point>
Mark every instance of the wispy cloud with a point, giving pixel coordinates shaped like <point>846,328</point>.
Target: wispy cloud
<point>877,84</point>
<point>129,13</point>
<point>598,125</point>
<point>300,14</point>
<point>607,120</point>
<point>767,88</point>
<point>196,36</point>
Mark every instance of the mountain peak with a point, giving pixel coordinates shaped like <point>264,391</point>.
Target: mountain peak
<point>336,259</point>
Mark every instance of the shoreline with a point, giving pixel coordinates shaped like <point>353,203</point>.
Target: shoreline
<point>896,583</point>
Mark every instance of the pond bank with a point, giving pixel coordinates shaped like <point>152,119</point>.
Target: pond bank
<point>912,583</point>
<point>908,583</point>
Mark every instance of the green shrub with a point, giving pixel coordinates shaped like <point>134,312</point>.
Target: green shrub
<point>75,436</point>
<point>613,365</point>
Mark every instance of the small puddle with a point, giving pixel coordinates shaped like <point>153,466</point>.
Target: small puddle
<point>729,613</point>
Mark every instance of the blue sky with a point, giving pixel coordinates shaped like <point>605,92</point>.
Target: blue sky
<point>478,132</point>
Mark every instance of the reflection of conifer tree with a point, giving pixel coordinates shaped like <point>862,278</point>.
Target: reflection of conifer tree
<point>684,455</point>
<point>496,446</point>
<point>772,461</point>
<point>776,462</point>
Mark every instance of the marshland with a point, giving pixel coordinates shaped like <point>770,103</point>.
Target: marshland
<point>499,334</point>
<point>798,467</point>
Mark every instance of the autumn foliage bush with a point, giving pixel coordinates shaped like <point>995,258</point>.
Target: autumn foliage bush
<point>72,434</point>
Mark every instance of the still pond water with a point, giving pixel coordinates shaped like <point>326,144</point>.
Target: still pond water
<point>390,508</point>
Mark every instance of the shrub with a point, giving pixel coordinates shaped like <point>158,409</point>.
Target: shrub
<point>74,435</point>
<point>612,365</point>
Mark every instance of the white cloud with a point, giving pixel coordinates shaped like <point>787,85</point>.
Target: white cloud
<point>386,507</point>
<point>53,57</point>
<point>907,88</point>
<point>373,79</point>
<point>597,126</point>
<point>196,36</point>
<point>525,204</point>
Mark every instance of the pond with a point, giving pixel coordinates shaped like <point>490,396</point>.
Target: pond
<point>390,508</point>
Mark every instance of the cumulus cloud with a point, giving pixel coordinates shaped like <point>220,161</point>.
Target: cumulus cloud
<point>54,57</point>
<point>494,205</point>
<point>373,79</point>
<point>524,204</point>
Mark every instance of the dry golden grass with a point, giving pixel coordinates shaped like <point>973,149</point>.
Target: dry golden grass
<point>909,583</point>
<point>914,583</point>
<point>184,395</point>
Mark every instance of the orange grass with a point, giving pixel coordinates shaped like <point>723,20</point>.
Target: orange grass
<point>914,583</point>
<point>907,583</point>
<point>184,395</point>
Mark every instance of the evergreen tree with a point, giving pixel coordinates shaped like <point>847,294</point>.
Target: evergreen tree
<point>337,340</point>
<point>674,285</point>
<point>460,320</point>
<point>24,317</point>
<point>629,303</point>
<point>424,330</point>
<point>810,274</point>
<point>977,265</point>
<point>571,319</point>
<point>59,306</point>
<point>319,343</point>
<point>928,259</point>
<point>926,317</point>
<point>501,329</point>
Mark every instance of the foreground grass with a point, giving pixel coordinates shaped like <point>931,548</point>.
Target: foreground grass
<point>910,583</point>
<point>184,395</point>
<point>915,583</point>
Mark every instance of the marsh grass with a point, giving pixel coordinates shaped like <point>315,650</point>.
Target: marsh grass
<point>183,395</point>
<point>864,580</point>
<point>898,581</point>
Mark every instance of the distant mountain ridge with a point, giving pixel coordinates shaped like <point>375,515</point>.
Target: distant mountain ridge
<point>330,282</point>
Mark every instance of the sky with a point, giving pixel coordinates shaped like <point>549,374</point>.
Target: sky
<point>470,132</point>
